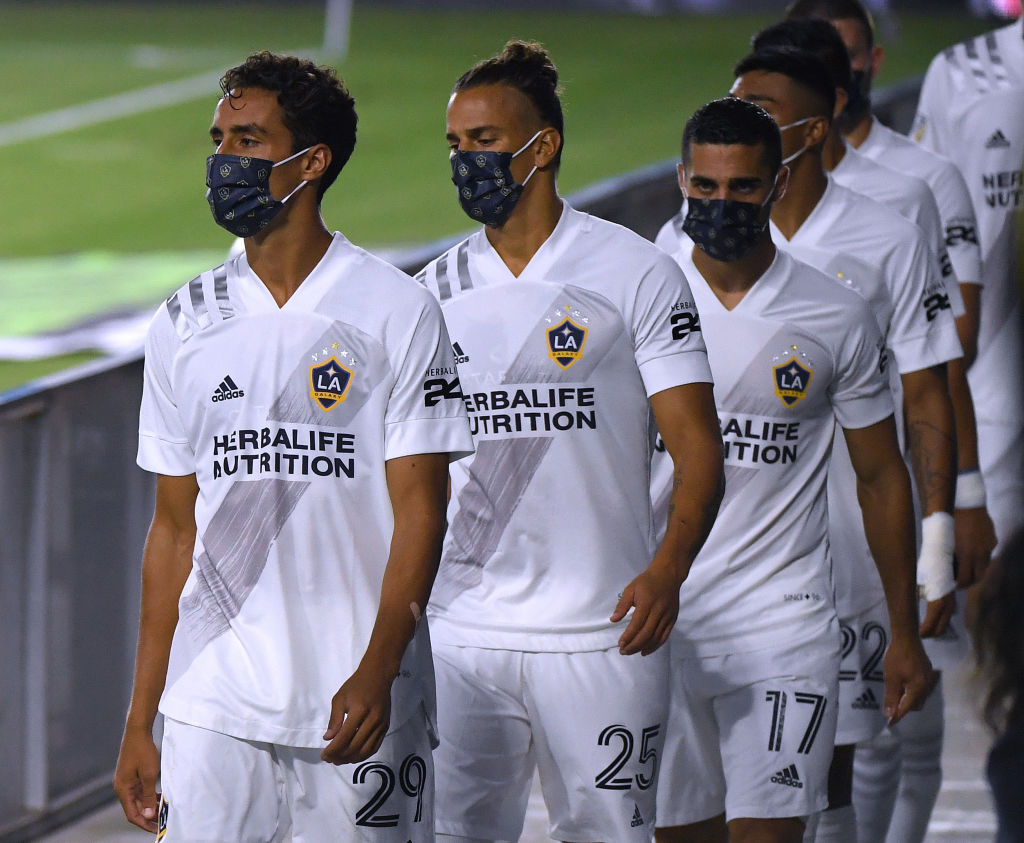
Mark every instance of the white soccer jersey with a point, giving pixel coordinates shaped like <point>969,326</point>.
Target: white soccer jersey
<point>551,518</point>
<point>876,252</point>
<point>286,415</point>
<point>810,355</point>
<point>912,199</point>
<point>947,184</point>
<point>972,111</point>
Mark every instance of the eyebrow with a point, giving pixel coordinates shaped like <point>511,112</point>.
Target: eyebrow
<point>241,129</point>
<point>476,131</point>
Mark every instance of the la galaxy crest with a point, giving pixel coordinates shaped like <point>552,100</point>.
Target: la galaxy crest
<point>328,383</point>
<point>792,380</point>
<point>566,341</point>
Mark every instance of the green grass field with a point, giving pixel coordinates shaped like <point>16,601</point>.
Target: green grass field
<point>128,192</point>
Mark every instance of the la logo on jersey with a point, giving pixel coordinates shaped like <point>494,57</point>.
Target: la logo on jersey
<point>791,381</point>
<point>328,383</point>
<point>565,342</point>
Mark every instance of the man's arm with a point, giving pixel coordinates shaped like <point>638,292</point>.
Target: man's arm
<point>166,563</point>
<point>973,531</point>
<point>688,423</point>
<point>883,490</point>
<point>932,438</point>
<point>361,710</point>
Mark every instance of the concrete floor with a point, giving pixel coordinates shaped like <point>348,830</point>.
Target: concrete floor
<point>963,813</point>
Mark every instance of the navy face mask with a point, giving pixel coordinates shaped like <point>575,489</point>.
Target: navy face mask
<point>239,192</point>
<point>725,229</point>
<point>487,191</point>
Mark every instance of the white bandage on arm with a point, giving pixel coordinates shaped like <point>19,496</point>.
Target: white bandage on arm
<point>970,490</point>
<point>935,561</point>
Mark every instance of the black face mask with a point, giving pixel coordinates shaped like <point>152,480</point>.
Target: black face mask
<point>726,229</point>
<point>239,192</point>
<point>859,104</point>
<point>487,191</point>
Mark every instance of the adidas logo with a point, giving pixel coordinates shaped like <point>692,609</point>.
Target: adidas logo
<point>789,777</point>
<point>866,700</point>
<point>227,390</point>
<point>460,355</point>
<point>997,141</point>
<point>637,818</point>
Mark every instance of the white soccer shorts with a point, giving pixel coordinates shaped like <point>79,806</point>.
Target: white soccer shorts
<point>750,734</point>
<point>861,682</point>
<point>217,788</point>
<point>592,723</point>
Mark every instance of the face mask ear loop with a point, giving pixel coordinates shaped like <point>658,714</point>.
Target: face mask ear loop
<point>531,140</point>
<point>290,157</point>
<point>298,187</point>
<point>301,184</point>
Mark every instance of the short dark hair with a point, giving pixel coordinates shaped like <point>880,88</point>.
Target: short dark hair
<point>812,35</point>
<point>835,10</point>
<point>803,68</point>
<point>316,104</point>
<point>728,121</point>
<point>527,67</point>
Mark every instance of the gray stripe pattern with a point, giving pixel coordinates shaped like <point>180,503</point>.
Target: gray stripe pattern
<point>462,267</point>
<point>444,289</point>
<point>180,324</point>
<point>502,469</point>
<point>220,291</point>
<point>977,70</point>
<point>199,306</point>
<point>996,60</point>
<point>237,545</point>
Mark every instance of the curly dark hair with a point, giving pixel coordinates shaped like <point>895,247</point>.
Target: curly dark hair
<point>317,106</point>
<point>527,67</point>
<point>999,635</point>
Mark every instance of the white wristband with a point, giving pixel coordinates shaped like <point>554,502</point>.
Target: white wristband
<point>935,562</point>
<point>970,490</point>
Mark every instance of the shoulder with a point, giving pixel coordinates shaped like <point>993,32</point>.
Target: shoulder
<point>818,291</point>
<point>446,274</point>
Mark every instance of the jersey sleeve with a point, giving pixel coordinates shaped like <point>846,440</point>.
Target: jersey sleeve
<point>425,412</point>
<point>929,127</point>
<point>667,338</point>
<point>164,447</point>
<point>922,332</point>
<point>669,234</point>
<point>930,221</point>
<point>960,225</point>
<point>860,391</point>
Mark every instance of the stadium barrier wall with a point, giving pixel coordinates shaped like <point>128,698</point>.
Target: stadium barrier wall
<point>76,510</point>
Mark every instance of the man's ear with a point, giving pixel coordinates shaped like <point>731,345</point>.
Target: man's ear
<point>681,176</point>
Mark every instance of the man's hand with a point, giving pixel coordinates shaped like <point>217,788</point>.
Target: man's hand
<point>135,779</point>
<point>360,716</point>
<point>975,539</point>
<point>909,678</point>
<point>938,614</point>
<point>655,598</point>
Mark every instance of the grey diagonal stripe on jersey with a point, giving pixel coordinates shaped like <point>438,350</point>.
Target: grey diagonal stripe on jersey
<point>295,405</point>
<point>754,391</point>
<point>237,543</point>
<point>501,469</point>
<point>220,292</point>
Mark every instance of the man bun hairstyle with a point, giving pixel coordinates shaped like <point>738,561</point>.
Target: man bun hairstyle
<point>730,120</point>
<point>803,68</point>
<point>316,104</point>
<point>527,67</point>
<point>812,35</point>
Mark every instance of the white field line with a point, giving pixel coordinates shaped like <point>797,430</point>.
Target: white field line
<point>109,108</point>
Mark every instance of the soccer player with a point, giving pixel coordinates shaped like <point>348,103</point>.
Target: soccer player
<point>884,257</point>
<point>972,110</point>
<point>756,649</point>
<point>569,331</point>
<point>291,412</point>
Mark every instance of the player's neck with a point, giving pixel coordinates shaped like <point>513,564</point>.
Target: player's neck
<point>731,281</point>
<point>529,226</point>
<point>807,183</point>
<point>283,256</point>
<point>859,132</point>
<point>833,150</point>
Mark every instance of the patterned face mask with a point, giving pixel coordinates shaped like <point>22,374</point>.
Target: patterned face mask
<point>726,229</point>
<point>239,192</point>
<point>487,191</point>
